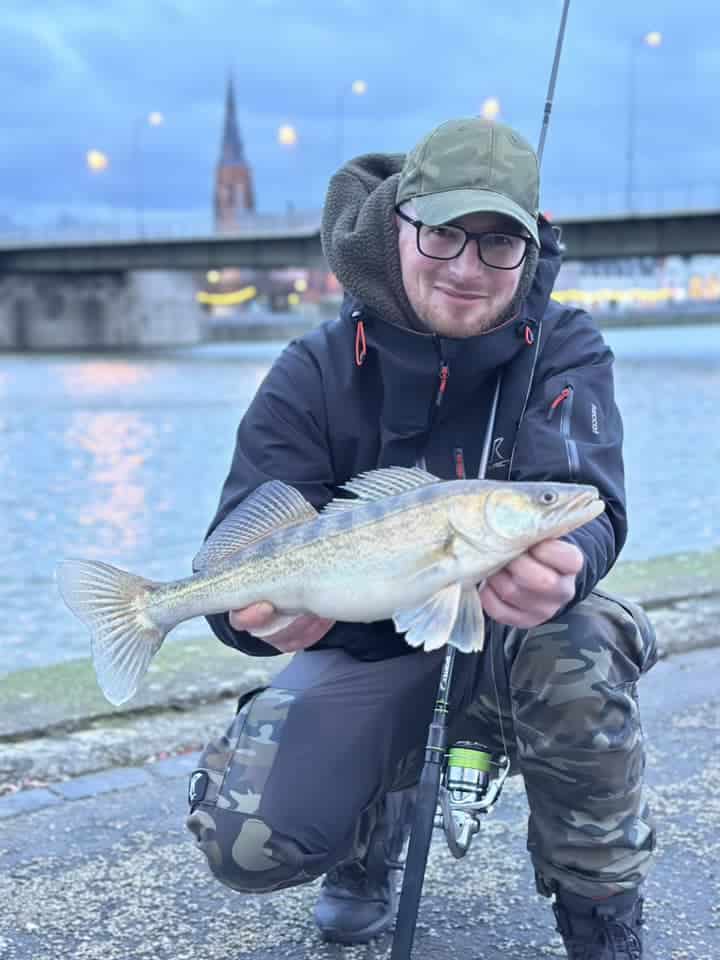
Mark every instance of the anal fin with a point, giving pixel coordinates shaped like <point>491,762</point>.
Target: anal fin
<point>468,632</point>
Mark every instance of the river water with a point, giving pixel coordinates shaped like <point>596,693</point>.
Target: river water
<point>121,458</point>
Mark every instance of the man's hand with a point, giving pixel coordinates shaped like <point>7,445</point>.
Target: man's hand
<point>305,631</point>
<point>534,586</point>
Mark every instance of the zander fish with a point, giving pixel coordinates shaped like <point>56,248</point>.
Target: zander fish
<point>406,546</point>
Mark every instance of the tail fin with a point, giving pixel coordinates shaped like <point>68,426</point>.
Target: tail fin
<point>109,602</point>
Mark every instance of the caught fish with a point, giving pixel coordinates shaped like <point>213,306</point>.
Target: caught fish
<point>406,546</point>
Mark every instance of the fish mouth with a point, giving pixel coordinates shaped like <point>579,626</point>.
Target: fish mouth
<point>580,509</point>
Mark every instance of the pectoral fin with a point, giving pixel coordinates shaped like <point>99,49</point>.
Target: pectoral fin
<point>453,615</point>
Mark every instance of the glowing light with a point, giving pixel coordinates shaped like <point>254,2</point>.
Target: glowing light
<point>359,87</point>
<point>609,295</point>
<point>226,299</point>
<point>301,285</point>
<point>213,276</point>
<point>653,39</point>
<point>287,135</point>
<point>97,161</point>
<point>490,109</point>
<point>293,299</point>
<point>155,119</point>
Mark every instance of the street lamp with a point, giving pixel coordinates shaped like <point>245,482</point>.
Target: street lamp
<point>96,161</point>
<point>653,39</point>
<point>358,88</point>
<point>287,137</point>
<point>153,119</point>
<point>490,109</point>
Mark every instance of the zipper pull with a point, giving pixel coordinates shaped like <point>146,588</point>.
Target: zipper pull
<point>360,341</point>
<point>526,330</point>
<point>444,375</point>
<point>563,395</point>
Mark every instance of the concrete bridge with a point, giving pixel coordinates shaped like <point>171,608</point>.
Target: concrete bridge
<point>680,233</point>
<point>139,292</point>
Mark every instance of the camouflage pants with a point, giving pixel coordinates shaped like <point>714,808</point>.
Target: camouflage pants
<point>277,800</point>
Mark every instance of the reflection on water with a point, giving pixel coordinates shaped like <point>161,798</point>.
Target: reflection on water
<point>122,459</point>
<point>115,446</point>
<point>102,376</point>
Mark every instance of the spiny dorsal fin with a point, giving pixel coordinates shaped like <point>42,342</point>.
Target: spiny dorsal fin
<point>272,507</point>
<point>376,484</point>
<point>388,481</point>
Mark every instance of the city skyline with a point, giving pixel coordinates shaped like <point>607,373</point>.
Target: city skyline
<point>82,84</point>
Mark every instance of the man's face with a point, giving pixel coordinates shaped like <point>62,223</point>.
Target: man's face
<point>461,297</point>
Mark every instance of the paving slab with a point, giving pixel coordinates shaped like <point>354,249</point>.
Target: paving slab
<point>25,801</point>
<point>123,778</point>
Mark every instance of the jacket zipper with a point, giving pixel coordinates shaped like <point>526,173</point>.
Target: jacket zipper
<point>531,378</point>
<point>564,400</point>
<point>443,377</point>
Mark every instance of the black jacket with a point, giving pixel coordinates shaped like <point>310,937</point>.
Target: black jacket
<point>319,419</point>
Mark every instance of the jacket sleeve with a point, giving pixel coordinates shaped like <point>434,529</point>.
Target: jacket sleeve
<point>282,436</point>
<point>572,432</point>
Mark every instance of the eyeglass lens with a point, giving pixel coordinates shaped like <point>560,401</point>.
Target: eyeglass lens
<point>501,250</point>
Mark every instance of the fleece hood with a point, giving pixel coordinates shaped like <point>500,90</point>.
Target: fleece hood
<point>359,239</point>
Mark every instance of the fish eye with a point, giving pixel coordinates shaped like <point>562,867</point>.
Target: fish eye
<point>548,497</point>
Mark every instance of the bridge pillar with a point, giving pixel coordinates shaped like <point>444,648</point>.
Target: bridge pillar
<point>113,311</point>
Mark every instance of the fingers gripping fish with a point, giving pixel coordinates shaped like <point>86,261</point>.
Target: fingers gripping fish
<point>406,546</point>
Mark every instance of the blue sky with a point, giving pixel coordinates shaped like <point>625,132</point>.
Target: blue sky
<point>79,75</point>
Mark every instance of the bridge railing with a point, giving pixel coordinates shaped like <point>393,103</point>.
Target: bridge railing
<point>563,202</point>
<point>566,201</point>
<point>257,225</point>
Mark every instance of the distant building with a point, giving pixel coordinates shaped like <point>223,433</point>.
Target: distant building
<point>234,193</point>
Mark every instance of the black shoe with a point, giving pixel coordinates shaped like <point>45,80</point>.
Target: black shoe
<point>359,897</point>
<point>600,929</point>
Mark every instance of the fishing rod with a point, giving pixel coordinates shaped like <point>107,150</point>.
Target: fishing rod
<point>473,777</point>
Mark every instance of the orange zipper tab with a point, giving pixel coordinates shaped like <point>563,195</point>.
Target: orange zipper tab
<point>563,395</point>
<point>444,375</point>
<point>360,344</point>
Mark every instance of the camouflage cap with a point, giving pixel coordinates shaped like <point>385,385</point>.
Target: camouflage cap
<point>472,165</point>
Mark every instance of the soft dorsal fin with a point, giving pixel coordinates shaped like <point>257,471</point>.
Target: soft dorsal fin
<point>273,506</point>
<point>383,482</point>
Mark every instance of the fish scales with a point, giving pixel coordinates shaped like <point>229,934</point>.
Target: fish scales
<point>411,547</point>
<point>359,540</point>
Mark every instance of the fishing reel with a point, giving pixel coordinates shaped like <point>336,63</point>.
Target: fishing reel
<point>472,780</point>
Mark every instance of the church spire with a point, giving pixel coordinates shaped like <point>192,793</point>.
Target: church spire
<point>232,152</point>
<point>234,193</point>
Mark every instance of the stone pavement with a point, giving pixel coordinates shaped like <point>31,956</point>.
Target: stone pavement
<point>99,867</point>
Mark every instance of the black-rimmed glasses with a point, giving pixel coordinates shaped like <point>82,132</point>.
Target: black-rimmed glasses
<point>503,251</point>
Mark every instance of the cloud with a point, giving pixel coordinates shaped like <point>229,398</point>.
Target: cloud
<point>84,75</point>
